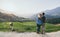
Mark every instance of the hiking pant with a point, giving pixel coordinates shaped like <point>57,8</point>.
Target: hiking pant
<point>38,27</point>
<point>43,28</point>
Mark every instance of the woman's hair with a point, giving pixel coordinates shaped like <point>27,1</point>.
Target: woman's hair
<point>39,15</point>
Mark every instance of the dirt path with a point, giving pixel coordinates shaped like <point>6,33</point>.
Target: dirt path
<point>27,34</point>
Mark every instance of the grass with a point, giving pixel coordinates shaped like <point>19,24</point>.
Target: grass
<point>27,27</point>
<point>52,28</point>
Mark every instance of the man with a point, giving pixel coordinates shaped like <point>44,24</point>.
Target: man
<point>43,25</point>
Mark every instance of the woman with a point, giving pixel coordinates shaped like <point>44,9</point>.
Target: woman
<point>39,22</point>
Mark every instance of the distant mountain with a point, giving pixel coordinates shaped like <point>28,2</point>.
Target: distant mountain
<point>4,16</point>
<point>7,16</point>
<point>54,13</point>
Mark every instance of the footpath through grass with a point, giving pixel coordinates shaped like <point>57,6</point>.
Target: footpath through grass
<point>27,27</point>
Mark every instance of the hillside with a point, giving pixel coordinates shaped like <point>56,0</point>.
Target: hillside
<point>50,14</point>
<point>54,13</point>
<point>6,16</point>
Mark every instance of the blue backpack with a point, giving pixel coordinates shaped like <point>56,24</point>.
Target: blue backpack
<point>38,21</point>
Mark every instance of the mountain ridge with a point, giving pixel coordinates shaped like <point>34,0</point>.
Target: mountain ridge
<point>7,16</point>
<point>53,13</point>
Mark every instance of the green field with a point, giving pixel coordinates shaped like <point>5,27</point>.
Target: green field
<point>26,27</point>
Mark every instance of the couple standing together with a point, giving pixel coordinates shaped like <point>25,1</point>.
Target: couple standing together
<point>40,21</point>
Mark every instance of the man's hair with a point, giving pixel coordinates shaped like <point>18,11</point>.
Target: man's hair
<point>43,13</point>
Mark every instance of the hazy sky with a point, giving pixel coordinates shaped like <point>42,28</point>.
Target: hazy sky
<point>28,7</point>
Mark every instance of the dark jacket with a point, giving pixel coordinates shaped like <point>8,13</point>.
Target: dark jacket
<point>43,19</point>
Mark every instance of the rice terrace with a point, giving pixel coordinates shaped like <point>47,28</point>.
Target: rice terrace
<point>27,27</point>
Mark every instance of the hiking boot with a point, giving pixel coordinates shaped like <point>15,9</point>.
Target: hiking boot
<point>43,33</point>
<point>38,32</point>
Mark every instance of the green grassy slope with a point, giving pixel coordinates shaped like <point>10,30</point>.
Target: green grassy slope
<point>27,27</point>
